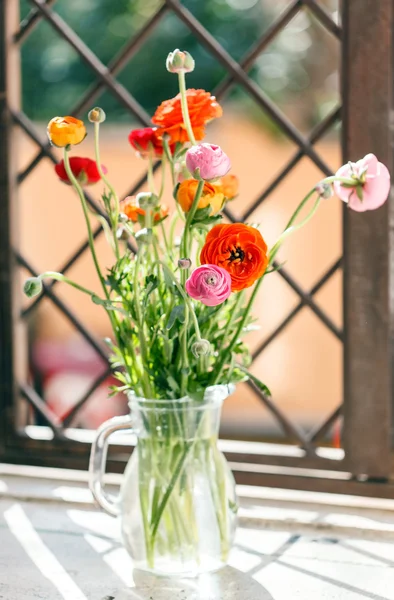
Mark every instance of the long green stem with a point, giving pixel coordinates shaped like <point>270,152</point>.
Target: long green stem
<point>185,249</point>
<point>81,195</point>
<point>227,352</point>
<point>114,216</point>
<point>185,298</point>
<point>170,159</point>
<point>61,277</point>
<point>290,230</point>
<point>185,109</point>
<point>233,316</point>
<point>151,179</point>
<point>140,324</point>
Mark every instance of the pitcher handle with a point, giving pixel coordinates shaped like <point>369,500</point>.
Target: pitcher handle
<point>98,457</point>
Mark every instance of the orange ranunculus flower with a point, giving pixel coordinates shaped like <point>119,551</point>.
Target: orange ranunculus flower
<point>228,185</point>
<point>202,108</point>
<point>187,190</point>
<point>238,248</point>
<point>131,209</point>
<point>63,131</point>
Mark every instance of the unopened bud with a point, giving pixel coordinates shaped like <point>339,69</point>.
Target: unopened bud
<point>97,115</point>
<point>184,263</point>
<point>143,236</point>
<point>179,62</point>
<point>32,287</point>
<point>201,348</point>
<point>123,218</point>
<point>324,190</point>
<point>147,200</point>
<point>122,234</point>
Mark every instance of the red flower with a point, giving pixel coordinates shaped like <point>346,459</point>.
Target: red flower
<point>146,140</point>
<point>84,169</point>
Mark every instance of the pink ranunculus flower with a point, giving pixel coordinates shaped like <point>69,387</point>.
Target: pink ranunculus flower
<point>210,284</point>
<point>371,184</point>
<point>207,161</point>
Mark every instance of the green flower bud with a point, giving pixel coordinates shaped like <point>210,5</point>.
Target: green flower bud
<point>179,62</point>
<point>201,348</point>
<point>143,236</point>
<point>122,234</point>
<point>97,115</point>
<point>123,218</point>
<point>32,287</point>
<point>147,200</point>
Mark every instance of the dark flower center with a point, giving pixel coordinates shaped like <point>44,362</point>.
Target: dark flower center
<point>236,254</point>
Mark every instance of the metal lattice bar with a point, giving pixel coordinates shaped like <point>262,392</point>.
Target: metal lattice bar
<point>67,420</point>
<point>288,427</point>
<point>247,61</point>
<point>120,61</point>
<point>30,22</point>
<point>308,301</point>
<point>317,133</point>
<point>93,62</point>
<point>114,67</point>
<point>314,436</point>
<point>250,86</point>
<point>322,15</point>
<point>333,269</point>
<point>42,408</point>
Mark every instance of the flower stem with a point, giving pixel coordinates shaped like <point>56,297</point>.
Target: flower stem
<point>61,277</point>
<point>81,195</point>
<point>185,298</point>
<point>140,324</point>
<point>185,109</point>
<point>115,214</point>
<point>189,219</point>
<point>291,229</point>
<point>227,352</point>
<point>151,180</point>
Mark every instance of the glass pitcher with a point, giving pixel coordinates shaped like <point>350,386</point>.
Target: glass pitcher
<point>177,501</point>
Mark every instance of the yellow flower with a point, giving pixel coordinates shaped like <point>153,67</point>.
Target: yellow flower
<point>63,131</point>
<point>187,190</point>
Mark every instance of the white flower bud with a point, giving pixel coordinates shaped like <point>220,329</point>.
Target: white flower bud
<point>201,348</point>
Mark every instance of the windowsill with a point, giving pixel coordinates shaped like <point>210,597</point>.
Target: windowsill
<point>267,508</point>
<point>289,544</point>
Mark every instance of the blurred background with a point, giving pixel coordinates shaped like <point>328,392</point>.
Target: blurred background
<point>298,71</point>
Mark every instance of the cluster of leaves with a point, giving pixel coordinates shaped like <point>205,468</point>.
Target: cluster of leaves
<point>155,316</point>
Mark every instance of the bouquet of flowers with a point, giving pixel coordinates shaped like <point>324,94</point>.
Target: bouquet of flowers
<point>180,305</point>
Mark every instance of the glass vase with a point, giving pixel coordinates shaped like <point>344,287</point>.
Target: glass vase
<point>177,502</point>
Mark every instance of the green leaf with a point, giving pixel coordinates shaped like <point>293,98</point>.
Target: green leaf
<point>152,283</point>
<point>359,192</point>
<point>107,231</point>
<point>261,386</point>
<point>202,213</point>
<point>172,383</point>
<point>178,312</point>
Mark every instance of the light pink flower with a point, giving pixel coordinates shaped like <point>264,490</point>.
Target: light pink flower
<point>210,284</point>
<point>371,184</point>
<point>207,161</point>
